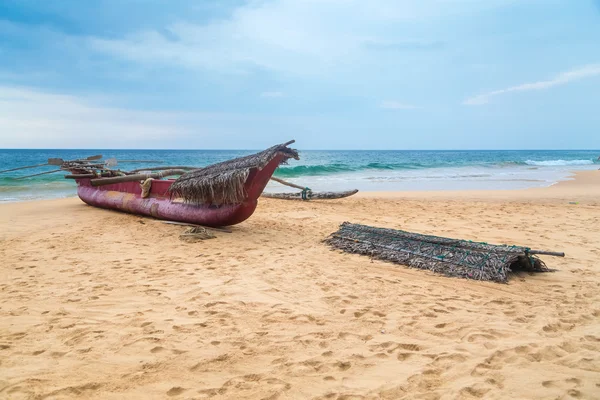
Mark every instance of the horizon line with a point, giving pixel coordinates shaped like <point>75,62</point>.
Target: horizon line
<point>260,149</point>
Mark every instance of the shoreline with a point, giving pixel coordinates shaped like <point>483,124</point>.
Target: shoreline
<point>476,178</point>
<point>578,184</point>
<point>582,185</point>
<point>108,305</point>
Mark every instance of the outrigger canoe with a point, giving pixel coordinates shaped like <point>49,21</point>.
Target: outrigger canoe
<point>218,195</point>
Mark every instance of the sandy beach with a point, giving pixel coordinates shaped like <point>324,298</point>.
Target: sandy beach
<point>102,305</point>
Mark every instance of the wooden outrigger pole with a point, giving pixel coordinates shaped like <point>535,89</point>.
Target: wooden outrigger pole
<point>41,173</point>
<point>51,161</point>
<point>27,166</point>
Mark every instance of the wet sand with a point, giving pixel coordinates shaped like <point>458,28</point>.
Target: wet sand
<point>103,305</point>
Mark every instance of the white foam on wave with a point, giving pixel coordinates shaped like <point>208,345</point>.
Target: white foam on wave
<point>557,163</point>
<point>452,178</point>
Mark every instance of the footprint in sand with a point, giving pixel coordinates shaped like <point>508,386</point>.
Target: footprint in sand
<point>476,391</point>
<point>175,391</point>
<point>343,366</point>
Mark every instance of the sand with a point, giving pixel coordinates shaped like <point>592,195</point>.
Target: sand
<point>102,305</point>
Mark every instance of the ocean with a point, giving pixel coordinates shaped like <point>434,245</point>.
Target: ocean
<point>328,170</point>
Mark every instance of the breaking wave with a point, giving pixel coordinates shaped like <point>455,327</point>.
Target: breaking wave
<point>335,168</point>
<point>557,163</point>
<point>312,170</point>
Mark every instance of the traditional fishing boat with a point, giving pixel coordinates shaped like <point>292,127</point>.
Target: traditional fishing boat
<point>218,195</point>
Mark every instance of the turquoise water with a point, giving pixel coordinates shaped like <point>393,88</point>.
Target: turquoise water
<point>328,170</point>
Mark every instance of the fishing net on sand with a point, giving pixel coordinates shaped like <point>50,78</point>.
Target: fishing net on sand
<point>451,257</point>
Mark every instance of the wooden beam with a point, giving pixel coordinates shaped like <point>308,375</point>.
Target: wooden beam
<point>287,183</point>
<point>41,173</point>
<point>136,177</point>
<point>25,167</point>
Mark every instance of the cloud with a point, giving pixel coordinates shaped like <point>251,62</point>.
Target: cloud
<point>394,105</point>
<point>312,37</point>
<point>271,94</point>
<point>32,118</point>
<point>586,71</point>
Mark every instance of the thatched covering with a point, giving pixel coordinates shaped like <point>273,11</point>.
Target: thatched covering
<point>451,257</point>
<point>223,183</point>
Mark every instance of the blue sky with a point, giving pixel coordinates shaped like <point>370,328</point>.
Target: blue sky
<point>332,74</point>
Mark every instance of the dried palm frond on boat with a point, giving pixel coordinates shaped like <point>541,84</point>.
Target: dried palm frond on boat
<point>223,183</point>
<point>451,257</point>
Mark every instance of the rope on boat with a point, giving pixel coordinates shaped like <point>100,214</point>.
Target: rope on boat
<point>146,187</point>
<point>306,193</point>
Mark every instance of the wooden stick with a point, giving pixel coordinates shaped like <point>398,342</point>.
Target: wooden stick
<point>41,173</point>
<point>28,166</point>
<point>136,177</point>
<point>165,167</point>
<point>547,253</point>
<point>138,161</point>
<point>80,176</point>
<point>287,183</point>
<point>186,224</point>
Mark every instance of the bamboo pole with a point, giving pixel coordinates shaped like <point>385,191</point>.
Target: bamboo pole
<point>136,177</point>
<point>287,183</point>
<point>41,173</point>
<point>160,168</point>
<point>28,166</point>
<point>547,253</point>
<point>80,176</point>
<point>140,161</point>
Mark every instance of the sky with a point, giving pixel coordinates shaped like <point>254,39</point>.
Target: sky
<point>331,74</point>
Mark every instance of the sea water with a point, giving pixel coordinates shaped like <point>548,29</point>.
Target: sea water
<point>327,170</point>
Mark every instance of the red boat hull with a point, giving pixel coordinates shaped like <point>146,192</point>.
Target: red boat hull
<point>127,197</point>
